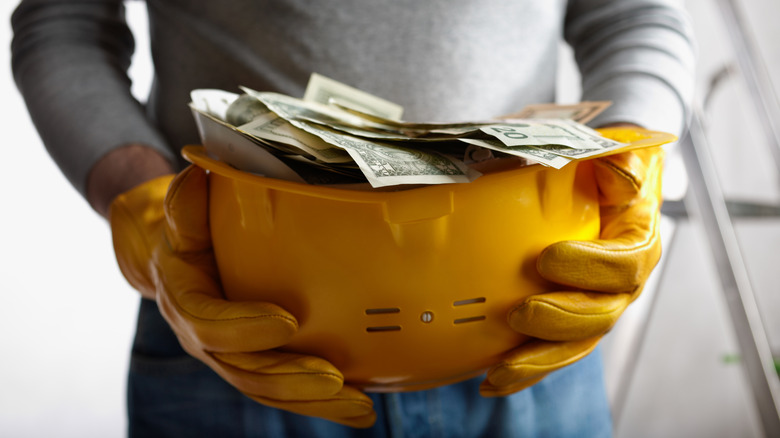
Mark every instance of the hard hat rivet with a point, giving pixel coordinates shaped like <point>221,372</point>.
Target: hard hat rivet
<point>426,316</point>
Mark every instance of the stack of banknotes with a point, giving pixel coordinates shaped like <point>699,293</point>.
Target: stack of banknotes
<point>337,134</point>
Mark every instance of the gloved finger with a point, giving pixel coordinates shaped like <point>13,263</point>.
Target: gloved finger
<point>533,360</point>
<point>620,177</point>
<point>186,211</point>
<point>624,177</point>
<point>620,263</point>
<point>349,407</point>
<point>568,315</point>
<point>279,375</point>
<point>190,299</point>
<point>486,389</point>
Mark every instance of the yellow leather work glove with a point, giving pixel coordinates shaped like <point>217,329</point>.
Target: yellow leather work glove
<point>598,278</point>
<point>169,258</point>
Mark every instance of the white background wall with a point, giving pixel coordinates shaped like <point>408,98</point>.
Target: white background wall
<point>67,315</point>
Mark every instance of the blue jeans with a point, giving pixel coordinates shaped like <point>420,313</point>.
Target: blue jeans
<point>171,394</point>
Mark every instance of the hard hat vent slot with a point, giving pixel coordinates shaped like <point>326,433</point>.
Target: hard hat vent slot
<point>381,311</point>
<point>386,328</point>
<point>470,319</point>
<point>469,301</point>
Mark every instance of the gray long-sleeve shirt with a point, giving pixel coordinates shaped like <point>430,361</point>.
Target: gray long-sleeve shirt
<point>442,60</point>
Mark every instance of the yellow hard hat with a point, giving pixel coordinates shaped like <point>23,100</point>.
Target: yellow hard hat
<point>400,290</point>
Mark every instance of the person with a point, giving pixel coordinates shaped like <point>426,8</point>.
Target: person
<point>203,366</point>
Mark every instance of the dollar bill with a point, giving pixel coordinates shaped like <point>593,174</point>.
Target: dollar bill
<point>602,145</point>
<point>292,109</point>
<point>213,102</point>
<point>385,165</point>
<point>327,91</point>
<point>549,132</point>
<point>538,155</point>
<point>269,126</point>
<point>582,112</point>
<point>227,144</point>
<point>355,122</point>
<point>244,110</point>
<point>414,129</point>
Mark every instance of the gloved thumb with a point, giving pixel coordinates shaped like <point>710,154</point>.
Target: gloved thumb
<point>623,177</point>
<point>186,212</point>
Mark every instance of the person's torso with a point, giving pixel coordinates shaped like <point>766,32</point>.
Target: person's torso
<point>441,60</point>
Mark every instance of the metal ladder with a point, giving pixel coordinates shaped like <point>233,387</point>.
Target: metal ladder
<point>707,205</point>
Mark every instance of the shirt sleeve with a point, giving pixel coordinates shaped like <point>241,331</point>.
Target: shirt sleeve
<point>639,54</point>
<point>70,61</point>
